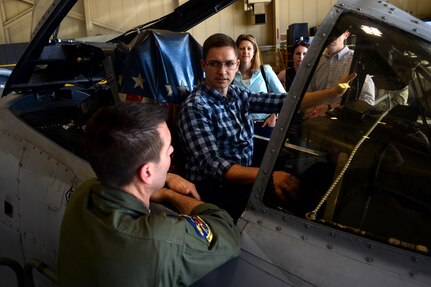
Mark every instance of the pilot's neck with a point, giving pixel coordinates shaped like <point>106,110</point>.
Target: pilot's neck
<point>139,192</point>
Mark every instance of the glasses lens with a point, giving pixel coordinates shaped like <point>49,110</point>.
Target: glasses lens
<point>230,65</point>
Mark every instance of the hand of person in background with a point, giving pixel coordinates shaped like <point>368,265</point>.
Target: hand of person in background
<point>343,84</point>
<point>270,121</point>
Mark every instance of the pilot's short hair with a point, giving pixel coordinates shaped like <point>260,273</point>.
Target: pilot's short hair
<point>218,40</point>
<point>121,138</point>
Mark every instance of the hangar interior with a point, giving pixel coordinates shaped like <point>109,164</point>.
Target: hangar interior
<point>267,20</point>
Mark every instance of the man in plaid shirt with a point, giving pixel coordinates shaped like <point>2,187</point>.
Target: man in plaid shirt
<point>216,131</point>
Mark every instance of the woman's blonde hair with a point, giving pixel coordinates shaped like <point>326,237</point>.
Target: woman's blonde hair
<point>256,62</point>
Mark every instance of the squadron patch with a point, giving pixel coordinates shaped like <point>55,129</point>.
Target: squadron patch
<point>201,228</point>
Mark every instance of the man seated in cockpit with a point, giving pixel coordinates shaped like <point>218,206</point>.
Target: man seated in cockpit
<point>332,69</point>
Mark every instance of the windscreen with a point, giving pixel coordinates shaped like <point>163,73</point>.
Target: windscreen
<point>363,160</point>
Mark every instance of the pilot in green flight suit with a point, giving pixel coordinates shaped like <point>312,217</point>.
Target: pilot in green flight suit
<point>109,237</point>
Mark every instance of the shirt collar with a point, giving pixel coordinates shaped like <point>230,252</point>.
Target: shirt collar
<point>337,55</point>
<point>118,198</point>
<point>215,94</point>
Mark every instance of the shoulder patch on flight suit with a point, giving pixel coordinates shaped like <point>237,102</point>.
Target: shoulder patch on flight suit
<point>201,228</point>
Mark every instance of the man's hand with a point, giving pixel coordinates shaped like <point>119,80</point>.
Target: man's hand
<point>286,186</point>
<point>270,121</point>
<point>343,84</point>
<point>161,195</point>
<point>182,203</point>
<point>181,185</point>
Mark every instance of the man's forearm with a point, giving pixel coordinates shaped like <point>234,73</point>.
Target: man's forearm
<point>312,99</point>
<point>241,174</point>
<point>184,204</point>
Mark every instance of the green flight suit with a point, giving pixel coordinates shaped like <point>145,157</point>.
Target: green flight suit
<point>109,238</point>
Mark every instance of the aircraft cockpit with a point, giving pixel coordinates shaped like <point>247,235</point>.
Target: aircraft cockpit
<point>362,213</point>
<point>364,168</point>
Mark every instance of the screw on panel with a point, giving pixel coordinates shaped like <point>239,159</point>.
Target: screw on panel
<point>307,226</point>
<point>384,17</point>
<point>265,171</point>
<point>284,218</point>
<point>411,274</point>
<point>370,246</point>
<point>415,30</point>
<point>414,259</point>
<point>329,246</point>
<point>278,228</point>
<point>304,237</point>
<point>369,259</point>
<point>259,222</point>
<point>359,9</point>
<point>332,234</point>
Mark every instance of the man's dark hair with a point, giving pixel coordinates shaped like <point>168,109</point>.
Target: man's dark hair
<point>216,41</point>
<point>121,138</point>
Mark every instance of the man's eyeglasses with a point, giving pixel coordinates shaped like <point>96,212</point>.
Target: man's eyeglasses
<point>230,65</point>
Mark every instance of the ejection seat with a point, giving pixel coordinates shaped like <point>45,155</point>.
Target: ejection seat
<point>162,66</point>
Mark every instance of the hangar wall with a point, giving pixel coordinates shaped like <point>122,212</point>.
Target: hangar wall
<point>94,17</point>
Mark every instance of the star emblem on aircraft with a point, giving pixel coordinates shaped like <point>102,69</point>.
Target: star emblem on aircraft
<point>139,81</point>
<point>169,90</point>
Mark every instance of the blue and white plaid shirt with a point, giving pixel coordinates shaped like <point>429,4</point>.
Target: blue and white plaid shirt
<point>216,131</point>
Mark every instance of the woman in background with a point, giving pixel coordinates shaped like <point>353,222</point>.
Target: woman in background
<point>256,77</point>
<point>286,76</point>
<point>250,76</point>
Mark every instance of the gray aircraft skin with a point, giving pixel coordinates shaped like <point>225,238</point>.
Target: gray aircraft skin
<point>364,214</point>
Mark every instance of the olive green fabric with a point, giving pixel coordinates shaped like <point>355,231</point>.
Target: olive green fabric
<point>109,238</point>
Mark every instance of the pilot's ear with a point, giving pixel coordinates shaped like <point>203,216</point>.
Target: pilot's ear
<point>146,172</point>
<point>203,64</point>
